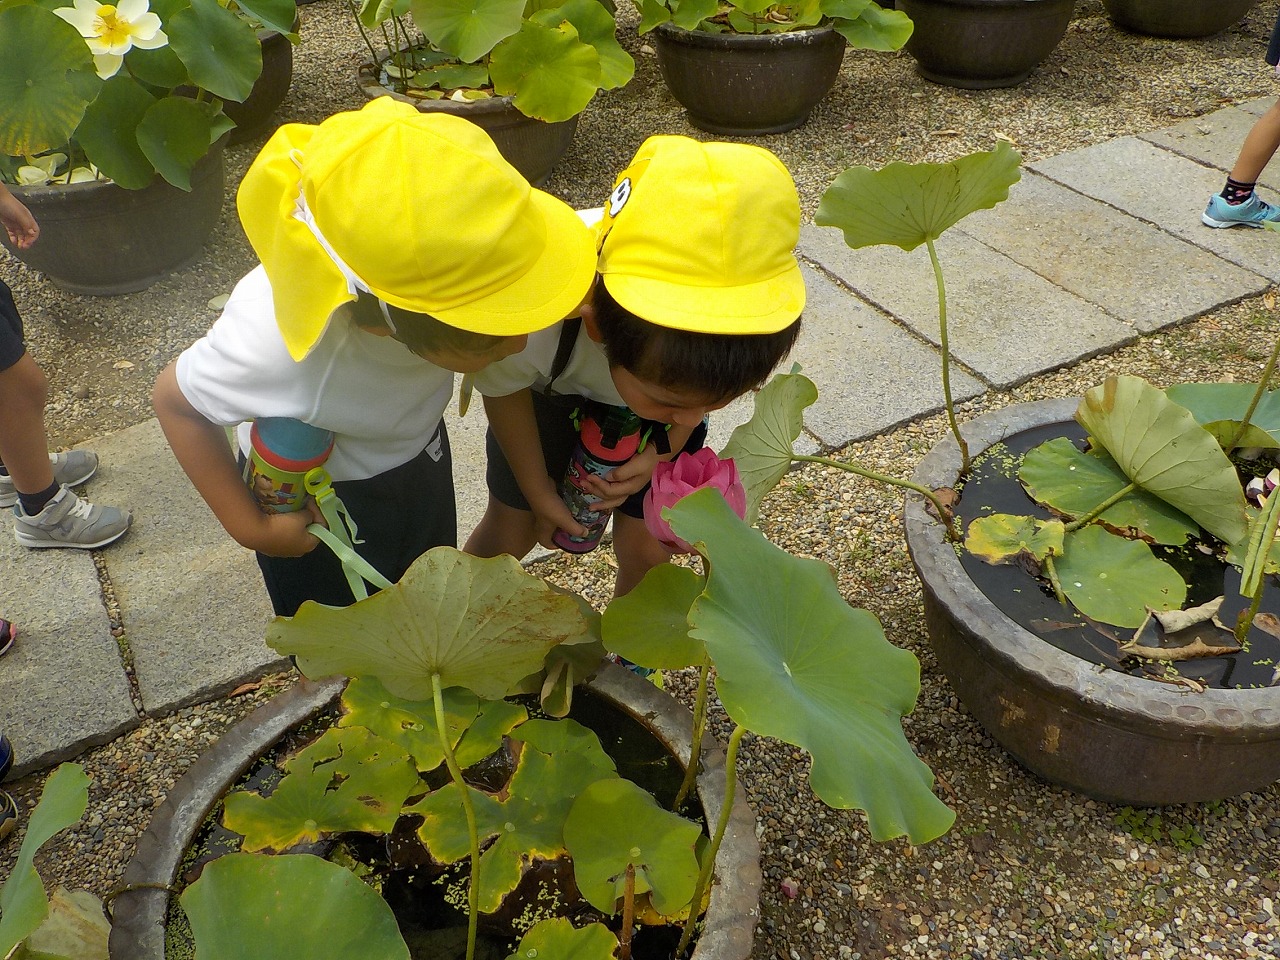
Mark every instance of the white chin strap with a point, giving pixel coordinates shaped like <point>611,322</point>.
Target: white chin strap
<point>355,285</point>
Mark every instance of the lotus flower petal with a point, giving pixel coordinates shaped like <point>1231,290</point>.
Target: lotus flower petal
<point>675,480</point>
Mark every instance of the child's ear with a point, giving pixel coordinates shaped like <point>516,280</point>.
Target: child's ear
<point>588,313</point>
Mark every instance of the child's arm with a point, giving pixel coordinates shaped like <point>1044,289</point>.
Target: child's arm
<point>17,219</point>
<point>516,430</point>
<point>202,450</point>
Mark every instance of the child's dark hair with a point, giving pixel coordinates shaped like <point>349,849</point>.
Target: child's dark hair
<point>421,331</point>
<point>718,365</point>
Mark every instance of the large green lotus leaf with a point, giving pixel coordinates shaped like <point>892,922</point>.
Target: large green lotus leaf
<point>75,929</point>
<point>690,13</point>
<point>558,939</point>
<point>906,204</point>
<point>467,29</point>
<point>483,624</point>
<point>220,50</point>
<point>1219,408</point>
<point>374,12</point>
<point>410,724</point>
<point>548,71</point>
<point>497,719</point>
<point>615,824</point>
<point>453,76</point>
<point>1115,580</point>
<point>652,13</point>
<point>873,29</point>
<point>795,662</point>
<point>277,15</point>
<point>47,79</point>
<point>761,448</point>
<point>103,133</point>
<point>247,907</point>
<point>650,625</point>
<point>349,779</point>
<point>1001,537</point>
<point>23,904</point>
<point>595,26</point>
<point>559,760</point>
<point>1062,477</point>
<point>159,68</point>
<point>1160,447</point>
<point>176,132</point>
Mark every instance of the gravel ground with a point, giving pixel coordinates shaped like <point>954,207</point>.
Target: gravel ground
<point>1028,870</point>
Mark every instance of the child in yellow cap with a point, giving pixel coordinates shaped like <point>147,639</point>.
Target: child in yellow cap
<point>698,298</point>
<point>396,248</point>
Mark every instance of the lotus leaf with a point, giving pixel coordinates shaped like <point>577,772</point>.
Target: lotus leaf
<point>597,28</point>
<point>247,907</point>
<point>1160,447</point>
<point>483,624</point>
<point>650,625</point>
<point>875,28</point>
<point>1001,538</point>
<point>75,929</point>
<point>794,661</point>
<point>220,50</point>
<point>558,939</point>
<point>1115,580</point>
<point>467,29</point>
<point>905,204</point>
<point>277,15</point>
<point>23,904</point>
<point>1219,408</point>
<point>176,133</point>
<point>47,79</point>
<point>121,105</point>
<point>1071,482</point>
<point>547,70</point>
<point>349,779</point>
<point>761,448</point>
<point>559,760</point>
<point>452,76</point>
<point>615,824</point>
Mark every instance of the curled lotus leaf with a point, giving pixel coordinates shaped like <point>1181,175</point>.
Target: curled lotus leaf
<point>1001,538</point>
<point>1160,447</point>
<point>794,661</point>
<point>1115,580</point>
<point>650,625</point>
<point>467,29</point>
<point>596,27</point>
<point>1071,482</point>
<point>558,939</point>
<point>548,71</point>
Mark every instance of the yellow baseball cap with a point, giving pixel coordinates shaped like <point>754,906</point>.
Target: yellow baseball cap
<point>418,209</point>
<point>699,236</point>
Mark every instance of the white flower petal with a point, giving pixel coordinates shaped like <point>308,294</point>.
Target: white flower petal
<point>150,43</point>
<point>131,10</point>
<point>82,175</point>
<point>30,176</point>
<point>82,20</point>
<point>108,64</point>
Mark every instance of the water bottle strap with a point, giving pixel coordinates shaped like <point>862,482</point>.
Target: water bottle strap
<point>341,535</point>
<point>356,567</point>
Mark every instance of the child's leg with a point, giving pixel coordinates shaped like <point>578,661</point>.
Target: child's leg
<point>502,529</point>
<point>1259,147</point>
<point>24,448</point>
<point>638,551</point>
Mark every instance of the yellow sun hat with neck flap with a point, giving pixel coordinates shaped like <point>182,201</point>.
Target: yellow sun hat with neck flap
<point>418,209</point>
<point>700,236</point>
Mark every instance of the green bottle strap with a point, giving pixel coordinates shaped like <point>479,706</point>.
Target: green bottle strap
<point>341,535</point>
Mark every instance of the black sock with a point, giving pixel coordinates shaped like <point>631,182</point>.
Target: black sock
<point>1236,192</point>
<point>33,503</point>
<point>3,471</point>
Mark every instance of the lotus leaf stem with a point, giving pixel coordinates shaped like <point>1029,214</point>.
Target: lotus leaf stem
<point>695,743</point>
<point>1101,508</point>
<point>944,346</point>
<point>364,34</point>
<point>709,864</point>
<point>473,885</point>
<point>953,530</point>
<point>1051,571</point>
<point>1263,380</point>
<point>1245,620</point>
<point>628,913</point>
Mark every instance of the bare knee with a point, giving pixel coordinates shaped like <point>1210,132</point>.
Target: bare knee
<point>502,529</point>
<point>24,385</point>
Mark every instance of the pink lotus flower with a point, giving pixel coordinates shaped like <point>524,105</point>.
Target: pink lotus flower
<point>676,479</point>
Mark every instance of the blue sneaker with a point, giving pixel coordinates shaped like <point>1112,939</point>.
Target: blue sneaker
<point>6,756</point>
<point>8,815</point>
<point>1251,213</point>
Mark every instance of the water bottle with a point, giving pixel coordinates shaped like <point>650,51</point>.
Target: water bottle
<point>607,437</point>
<point>282,451</point>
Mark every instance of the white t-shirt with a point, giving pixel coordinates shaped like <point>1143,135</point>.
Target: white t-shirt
<point>587,372</point>
<point>382,401</point>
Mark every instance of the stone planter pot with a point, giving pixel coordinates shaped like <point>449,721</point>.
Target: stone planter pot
<point>748,84</point>
<point>1177,18</point>
<point>1103,733</point>
<point>138,924</point>
<point>99,239</point>
<point>980,44</point>
<point>531,146</point>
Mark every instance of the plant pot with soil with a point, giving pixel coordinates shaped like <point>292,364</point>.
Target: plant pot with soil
<point>980,44</point>
<point>747,69</point>
<point>523,74</point>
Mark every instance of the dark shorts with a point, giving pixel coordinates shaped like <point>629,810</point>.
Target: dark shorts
<point>554,416</point>
<point>12,346</point>
<point>400,515</point>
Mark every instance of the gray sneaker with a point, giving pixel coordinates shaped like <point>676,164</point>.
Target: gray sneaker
<point>69,469</point>
<point>68,521</point>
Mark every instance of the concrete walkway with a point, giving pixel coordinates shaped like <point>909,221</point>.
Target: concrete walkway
<point>1094,248</point>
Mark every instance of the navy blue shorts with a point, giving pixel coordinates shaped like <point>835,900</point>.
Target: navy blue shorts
<point>554,416</point>
<point>12,346</point>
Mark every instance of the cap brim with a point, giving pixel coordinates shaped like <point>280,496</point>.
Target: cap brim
<point>553,286</point>
<point>763,307</point>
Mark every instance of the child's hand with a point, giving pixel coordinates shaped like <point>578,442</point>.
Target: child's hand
<point>285,534</point>
<point>550,514</point>
<point>17,219</point>
<point>621,482</point>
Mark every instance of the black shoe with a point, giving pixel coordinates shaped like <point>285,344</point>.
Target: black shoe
<point>8,815</point>
<point>6,756</point>
<point>8,634</point>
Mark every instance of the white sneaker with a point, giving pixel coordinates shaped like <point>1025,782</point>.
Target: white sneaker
<point>69,469</point>
<point>68,521</point>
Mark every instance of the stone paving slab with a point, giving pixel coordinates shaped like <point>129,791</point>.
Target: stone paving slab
<point>992,302</point>
<point>1168,190</point>
<point>1213,139</point>
<point>194,608</point>
<point>63,687</point>
<point>1095,252</point>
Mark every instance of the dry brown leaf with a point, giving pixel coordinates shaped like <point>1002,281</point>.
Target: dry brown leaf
<point>244,688</point>
<point>122,365</point>
<point>1195,650</point>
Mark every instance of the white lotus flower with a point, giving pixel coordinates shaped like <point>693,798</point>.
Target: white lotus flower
<point>83,174</point>
<point>38,171</point>
<point>111,31</point>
